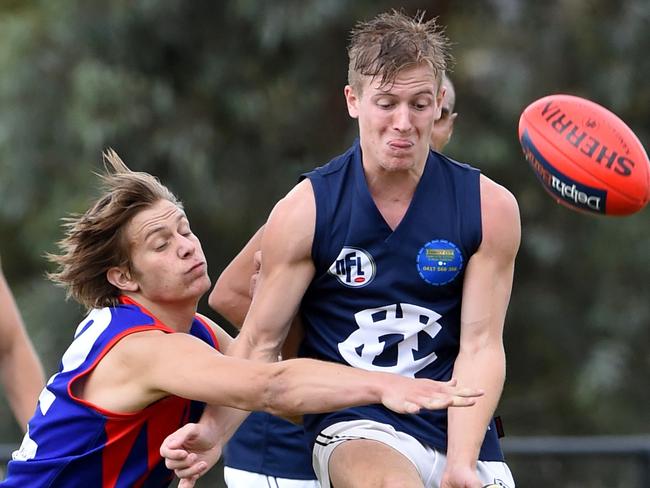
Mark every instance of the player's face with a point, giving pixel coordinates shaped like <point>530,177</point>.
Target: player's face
<point>443,127</point>
<point>167,259</point>
<point>395,121</point>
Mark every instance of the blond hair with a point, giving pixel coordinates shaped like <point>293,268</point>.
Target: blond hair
<point>392,42</point>
<point>95,241</point>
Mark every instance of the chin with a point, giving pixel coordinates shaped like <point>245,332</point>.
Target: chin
<point>204,285</point>
<point>395,165</point>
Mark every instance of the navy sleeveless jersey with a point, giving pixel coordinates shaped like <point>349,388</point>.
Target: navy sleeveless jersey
<point>270,445</point>
<point>71,442</point>
<point>390,300</point>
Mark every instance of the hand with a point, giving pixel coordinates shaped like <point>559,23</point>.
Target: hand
<point>409,395</point>
<point>190,452</point>
<point>457,477</point>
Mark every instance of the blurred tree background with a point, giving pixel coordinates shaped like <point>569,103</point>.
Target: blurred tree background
<point>228,102</point>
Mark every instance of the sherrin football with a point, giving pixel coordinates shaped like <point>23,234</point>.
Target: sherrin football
<point>585,156</point>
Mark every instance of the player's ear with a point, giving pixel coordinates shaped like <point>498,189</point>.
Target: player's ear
<point>352,99</point>
<point>440,95</point>
<point>121,279</point>
<point>452,120</point>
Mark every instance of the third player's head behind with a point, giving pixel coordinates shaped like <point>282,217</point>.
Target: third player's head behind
<point>396,66</point>
<point>443,127</point>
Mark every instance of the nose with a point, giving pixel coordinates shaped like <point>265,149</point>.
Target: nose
<point>402,118</point>
<point>186,247</point>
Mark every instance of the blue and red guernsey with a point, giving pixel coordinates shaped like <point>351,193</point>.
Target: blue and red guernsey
<point>73,443</point>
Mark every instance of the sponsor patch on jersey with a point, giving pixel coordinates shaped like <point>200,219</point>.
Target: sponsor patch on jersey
<point>439,262</point>
<point>354,267</point>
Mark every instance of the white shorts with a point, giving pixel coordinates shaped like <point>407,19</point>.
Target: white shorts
<point>236,478</point>
<point>429,462</point>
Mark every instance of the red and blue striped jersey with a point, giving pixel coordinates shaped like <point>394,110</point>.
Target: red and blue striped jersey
<point>71,442</point>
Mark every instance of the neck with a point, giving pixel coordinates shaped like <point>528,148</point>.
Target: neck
<point>176,316</point>
<point>395,185</point>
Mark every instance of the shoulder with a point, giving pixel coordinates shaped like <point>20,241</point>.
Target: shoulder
<point>291,224</point>
<point>135,352</point>
<point>500,217</point>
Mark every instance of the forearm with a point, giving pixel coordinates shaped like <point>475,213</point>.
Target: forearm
<point>485,369</point>
<point>222,422</point>
<point>308,386</point>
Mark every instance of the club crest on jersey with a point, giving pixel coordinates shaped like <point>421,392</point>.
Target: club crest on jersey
<point>353,267</point>
<point>395,338</point>
<point>439,262</point>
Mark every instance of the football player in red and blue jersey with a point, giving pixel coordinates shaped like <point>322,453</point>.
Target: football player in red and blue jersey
<point>142,362</point>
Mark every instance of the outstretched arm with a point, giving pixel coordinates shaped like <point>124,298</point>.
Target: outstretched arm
<point>481,359</point>
<point>20,369</point>
<point>186,367</point>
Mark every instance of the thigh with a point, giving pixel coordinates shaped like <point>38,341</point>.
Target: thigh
<point>237,478</point>
<point>365,453</point>
<point>367,463</point>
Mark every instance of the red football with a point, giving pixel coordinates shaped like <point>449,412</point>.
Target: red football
<point>585,156</point>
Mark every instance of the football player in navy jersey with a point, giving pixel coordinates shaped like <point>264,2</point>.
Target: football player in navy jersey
<point>397,259</point>
<point>20,370</point>
<point>143,360</point>
<point>268,450</point>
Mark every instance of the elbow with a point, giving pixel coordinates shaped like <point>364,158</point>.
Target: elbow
<point>225,303</point>
<point>217,298</point>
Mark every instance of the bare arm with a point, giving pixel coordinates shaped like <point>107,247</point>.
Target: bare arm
<point>20,369</point>
<point>231,295</point>
<point>481,360</point>
<point>187,367</point>
<point>285,274</point>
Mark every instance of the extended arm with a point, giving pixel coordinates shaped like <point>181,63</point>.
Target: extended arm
<point>20,369</point>
<point>186,367</point>
<point>481,360</point>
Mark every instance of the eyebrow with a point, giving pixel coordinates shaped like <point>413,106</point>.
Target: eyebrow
<point>161,227</point>
<point>153,231</point>
<point>426,91</point>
